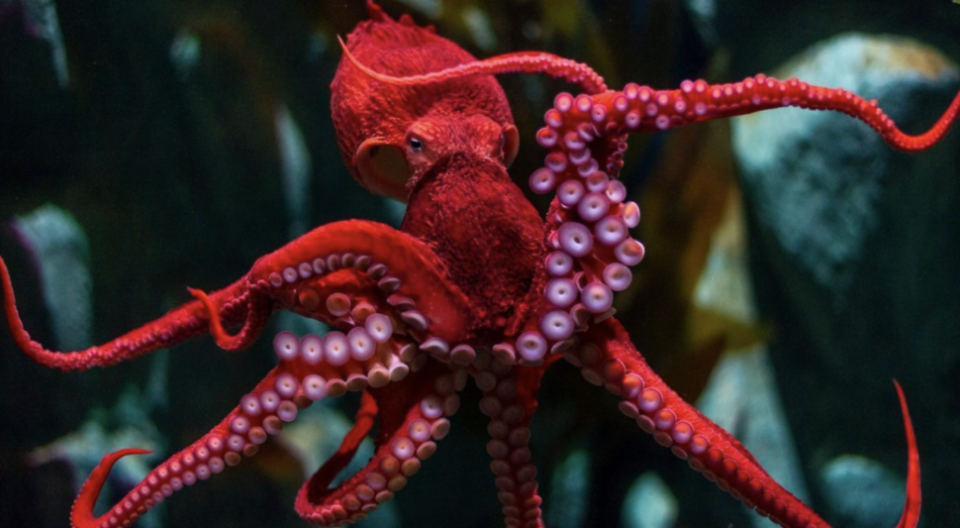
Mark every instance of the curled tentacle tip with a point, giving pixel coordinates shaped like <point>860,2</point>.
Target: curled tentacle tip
<point>202,296</point>
<point>198,293</point>
<point>81,515</point>
<point>363,68</point>
<point>220,335</point>
<point>911,508</point>
<point>117,455</point>
<point>343,46</point>
<point>899,388</point>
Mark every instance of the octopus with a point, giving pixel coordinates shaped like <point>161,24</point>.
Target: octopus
<point>474,285</point>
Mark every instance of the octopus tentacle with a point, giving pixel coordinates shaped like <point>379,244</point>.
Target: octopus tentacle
<point>310,369</point>
<point>589,256</point>
<point>396,265</point>
<point>412,419</point>
<point>609,359</point>
<point>365,419</point>
<point>258,310</point>
<point>509,399</point>
<point>188,320</point>
<point>376,348</point>
<point>81,515</point>
<point>586,134</point>
<point>260,413</point>
<point>517,62</point>
<point>340,274</point>
<point>911,507</point>
<point>643,109</point>
<point>588,224</point>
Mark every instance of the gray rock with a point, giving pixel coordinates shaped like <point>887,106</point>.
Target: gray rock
<point>816,178</point>
<point>854,256</point>
<point>863,492</point>
<point>59,248</point>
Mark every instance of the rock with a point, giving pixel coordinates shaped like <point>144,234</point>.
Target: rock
<point>816,178</point>
<point>58,246</point>
<point>650,504</point>
<point>862,491</point>
<point>854,257</point>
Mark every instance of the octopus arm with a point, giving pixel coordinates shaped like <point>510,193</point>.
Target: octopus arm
<point>644,109</point>
<point>290,277</point>
<point>698,101</point>
<point>517,62</point>
<point>399,267</point>
<point>510,399</point>
<point>586,134</point>
<point>412,418</point>
<point>179,324</point>
<point>388,296</point>
<point>238,435</point>
<point>364,421</point>
<point>412,409</point>
<point>609,358</point>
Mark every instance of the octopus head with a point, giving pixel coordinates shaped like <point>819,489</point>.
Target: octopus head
<point>389,131</point>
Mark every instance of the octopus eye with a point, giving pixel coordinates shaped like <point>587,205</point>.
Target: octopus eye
<point>416,144</point>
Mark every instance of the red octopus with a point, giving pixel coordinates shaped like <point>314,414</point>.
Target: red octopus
<point>475,284</point>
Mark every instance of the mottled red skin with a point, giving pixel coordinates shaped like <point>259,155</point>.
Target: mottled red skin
<point>460,280</point>
<point>462,202</point>
<point>364,109</point>
<point>476,219</point>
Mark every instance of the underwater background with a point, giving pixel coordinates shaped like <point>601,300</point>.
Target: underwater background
<point>793,267</point>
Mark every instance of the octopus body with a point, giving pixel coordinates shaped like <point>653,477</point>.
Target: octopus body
<point>474,285</point>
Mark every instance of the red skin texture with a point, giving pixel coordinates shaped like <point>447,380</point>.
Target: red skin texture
<point>364,109</point>
<point>461,279</point>
<point>476,220</point>
<point>462,202</point>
